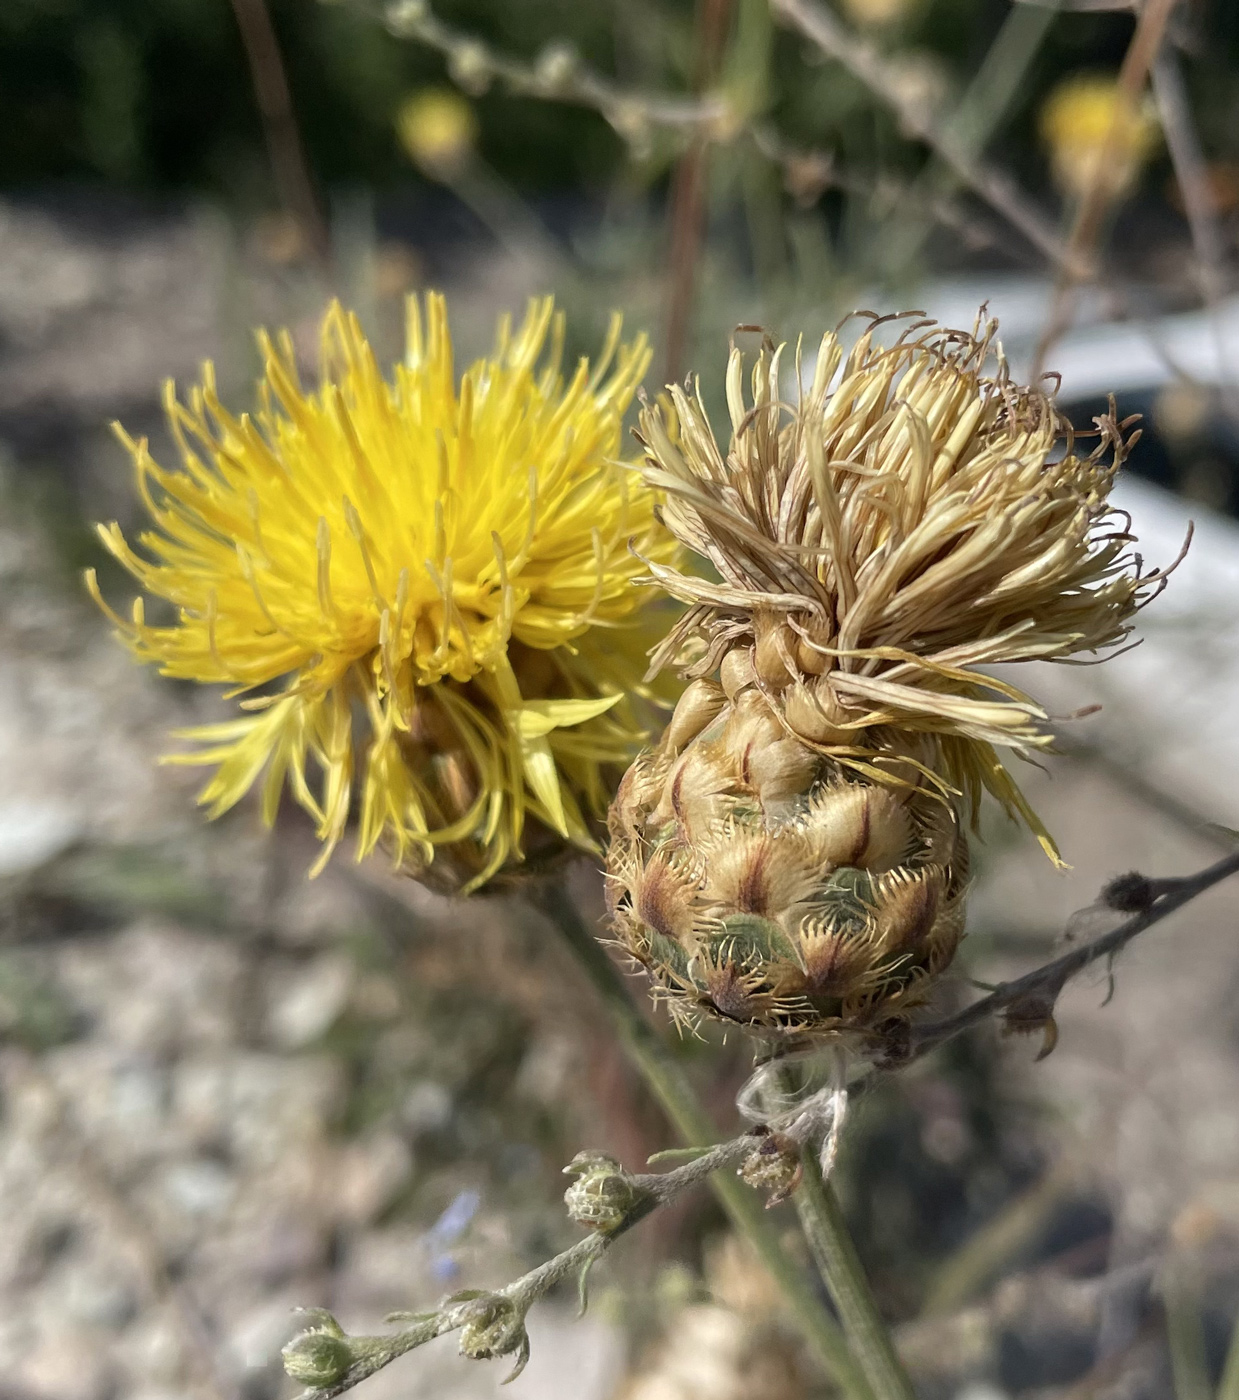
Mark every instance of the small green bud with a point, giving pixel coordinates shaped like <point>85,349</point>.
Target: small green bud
<point>406,16</point>
<point>556,65</point>
<point>470,67</point>
<point>497,1328</point>
<point>321,1355</point>
<point>603,1196</point>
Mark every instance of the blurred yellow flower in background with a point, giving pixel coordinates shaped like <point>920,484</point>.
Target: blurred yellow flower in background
<point>438,129</point>
<point>1076,121</point>
<point>877,14</point>
<point>427,585</point>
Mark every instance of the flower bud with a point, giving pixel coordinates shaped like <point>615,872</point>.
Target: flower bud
<point>406,16</point>
<point>320,1356</point>
<point>497,1328</point>
<point>556,65</point>
<point>470,67</point>
<point>603,1196</point>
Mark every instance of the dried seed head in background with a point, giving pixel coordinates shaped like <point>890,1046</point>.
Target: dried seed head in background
<point>410,580</point>
<point>790,856</point>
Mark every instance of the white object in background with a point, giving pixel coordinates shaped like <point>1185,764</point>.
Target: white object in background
<point>1171,704</point>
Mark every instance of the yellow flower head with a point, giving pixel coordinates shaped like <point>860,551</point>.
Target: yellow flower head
<point>424,589</point>
<point>1077,120</point>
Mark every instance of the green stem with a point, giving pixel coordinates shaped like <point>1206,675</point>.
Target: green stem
<point>1228,1386</point>
<point>671,1087</point>
<point>827,1234</point>
<point>1185,1334</point>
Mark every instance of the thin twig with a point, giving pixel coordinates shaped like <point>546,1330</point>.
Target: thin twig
<point>493,1323</point>
<point>279,123</point>
<point>559,75</point>
<point>1028,1002</point>
<point>689,186</point>
<point>1080,264</point>
<point>981,110</point>
<point>1192,177</point>
<point>1190,172</point>
<point>865,63</point>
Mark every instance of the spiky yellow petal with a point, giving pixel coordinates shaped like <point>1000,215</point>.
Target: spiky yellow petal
<point>424,587</point>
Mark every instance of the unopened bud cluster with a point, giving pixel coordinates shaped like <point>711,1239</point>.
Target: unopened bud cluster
<point>603,1196</point>
<point>320,1356</point>
<point>496,1328</point>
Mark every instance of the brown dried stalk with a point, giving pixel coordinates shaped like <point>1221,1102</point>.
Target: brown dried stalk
<point>1028,1003</point>
<point>865,63</point>
<point>1080,263</point>
<point>279,122</point>
<point>689,186</point>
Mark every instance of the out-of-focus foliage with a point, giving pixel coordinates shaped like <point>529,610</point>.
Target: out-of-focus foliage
<point>153,93</point>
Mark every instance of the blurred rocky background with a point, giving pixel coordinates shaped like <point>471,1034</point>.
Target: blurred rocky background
<point>227,1091</point>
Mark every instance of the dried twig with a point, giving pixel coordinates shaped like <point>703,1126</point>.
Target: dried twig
<point>688,190</point>
<point>492,1324</point>
<point>1086,228</point>
<point>865,63</point>
<point>1190,173</point>
<point>1192,176</point>
<point>558,74</point>
<point>1028,1003</point>
<point>275,105</point>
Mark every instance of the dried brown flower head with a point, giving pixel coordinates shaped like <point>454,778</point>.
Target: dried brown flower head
<point>790,856</point>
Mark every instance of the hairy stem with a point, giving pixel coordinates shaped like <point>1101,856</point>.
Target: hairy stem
<point>832,1247</point>
<point>1029,1001</point>
<point>670,1086</point>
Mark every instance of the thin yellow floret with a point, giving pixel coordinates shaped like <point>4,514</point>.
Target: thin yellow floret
<point>411,574</point>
